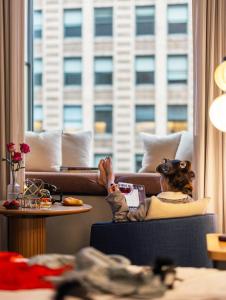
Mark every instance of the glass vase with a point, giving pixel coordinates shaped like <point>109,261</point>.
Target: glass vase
<point>13,188</point>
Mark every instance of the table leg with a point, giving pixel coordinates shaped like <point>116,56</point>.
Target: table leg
<point>27,235</point>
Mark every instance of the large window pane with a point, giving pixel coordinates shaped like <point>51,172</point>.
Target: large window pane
<point>38,72</point>
<point>103,21</point>
<point>103,70</point>
<point>72,117</point>
<point>72,23</point>
<point>177,69</point>
<point>144,66</point>
<point>72,71</point>
<point>37,24</point>
<point>145,118</point>
<point>177,18</point>
<point>145,20</point>
<point>177,118</point>
<point>103,119</point>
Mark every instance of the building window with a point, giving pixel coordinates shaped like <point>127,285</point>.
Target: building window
<point>177,118</point>
<point>38,118</point>
<point>72,23</point>
<point>99,156</point>
<point>177,19</point>
<point>72,71</point>
<point>138,161</point>
<point>103,21</point>
<point>38,72</point>
<point>72,117</point>
<point>144,70</point>
<point>37,24</point>
<point>145,118</point>
<point>177,69</point>
<point>103,70</point>
<point>103,119</point>
<point>145,20</point>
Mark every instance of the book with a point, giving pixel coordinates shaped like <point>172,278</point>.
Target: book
<point>79,169</point>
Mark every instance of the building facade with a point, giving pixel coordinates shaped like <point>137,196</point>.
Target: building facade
<point>115,67</point>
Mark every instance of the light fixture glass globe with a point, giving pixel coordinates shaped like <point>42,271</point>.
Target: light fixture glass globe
<point>217,113</point>
<point>220,75</point>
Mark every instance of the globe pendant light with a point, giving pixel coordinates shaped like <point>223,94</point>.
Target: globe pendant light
<point>217,113</point>
<point>220,75</point>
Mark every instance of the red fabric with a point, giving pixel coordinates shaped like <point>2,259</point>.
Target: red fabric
<point>16,274</point>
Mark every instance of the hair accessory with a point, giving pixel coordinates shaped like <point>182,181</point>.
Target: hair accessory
<point>183,164</point>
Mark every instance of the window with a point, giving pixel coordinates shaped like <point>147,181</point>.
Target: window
<point>177,118</point>
<point>38,118</point>
<point>99,156</point>
<point>103,70</point>
<point>144,69</point>
<point>138,162</point>
<point>103,119</point>
<point>145,20</point>
<point>145,118</point>
<point>177,19</point>
<point>72,23</point>
<point>103,21</point>
<point>72,117</point>
<point>72,71</point>
<point>177,69</point>
<point>38,72</point>
<point>37,24</point>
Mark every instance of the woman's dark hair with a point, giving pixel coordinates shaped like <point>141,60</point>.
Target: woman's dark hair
<point>178,173</point>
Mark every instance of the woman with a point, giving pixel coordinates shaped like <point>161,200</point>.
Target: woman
<point>176,186</point>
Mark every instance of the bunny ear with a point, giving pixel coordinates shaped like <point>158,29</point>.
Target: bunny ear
<point>183,164</point>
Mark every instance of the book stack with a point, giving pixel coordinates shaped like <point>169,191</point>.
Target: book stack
<point>79,169</point>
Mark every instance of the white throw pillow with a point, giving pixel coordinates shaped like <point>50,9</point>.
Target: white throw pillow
<point>45,152</point>
<point>76,149</point>
<point>160,210</point>
<point>158,147</point>
<point>185,148</point>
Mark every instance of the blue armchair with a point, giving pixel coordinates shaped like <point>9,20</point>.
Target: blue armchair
<point>181,239</point>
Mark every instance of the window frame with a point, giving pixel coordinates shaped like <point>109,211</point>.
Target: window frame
<point>173,23</point>
<point>148,73</point>
<point>70,106</point>
<point>80,27</point>
<point>137,23</point>
<point>103,84</point>
<point>95,23</point>
<point>177,81</point>
<point>79,85</point>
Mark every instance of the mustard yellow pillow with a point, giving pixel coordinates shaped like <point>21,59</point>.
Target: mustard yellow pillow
<point>160,210</point>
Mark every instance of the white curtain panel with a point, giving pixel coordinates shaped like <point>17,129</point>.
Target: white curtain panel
<point>209,37</point>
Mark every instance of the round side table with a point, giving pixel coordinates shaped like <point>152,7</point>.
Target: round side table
<point>27,226</point>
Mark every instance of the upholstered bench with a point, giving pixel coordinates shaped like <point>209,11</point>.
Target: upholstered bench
<point>181,239</point>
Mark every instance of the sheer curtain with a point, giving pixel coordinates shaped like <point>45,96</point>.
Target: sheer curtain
<point>209,32</point>
<point>11,85</point>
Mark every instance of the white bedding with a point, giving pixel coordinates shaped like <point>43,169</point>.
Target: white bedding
<point>196,284</point>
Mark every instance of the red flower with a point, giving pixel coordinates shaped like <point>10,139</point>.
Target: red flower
<point>24,148</point>
<point>11,147</point>
<point>16,157</point>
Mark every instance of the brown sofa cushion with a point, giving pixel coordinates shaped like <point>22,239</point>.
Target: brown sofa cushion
<point>86,183</point>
